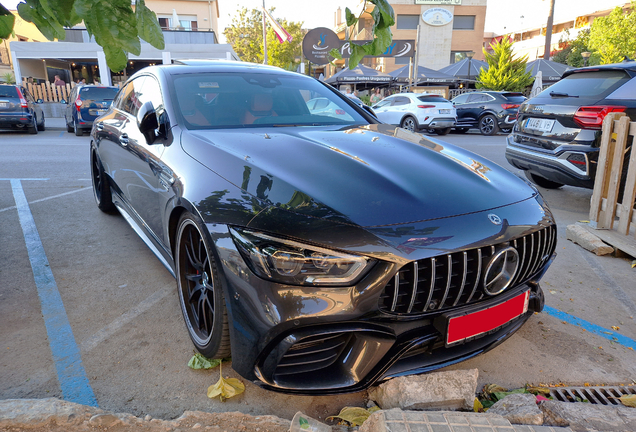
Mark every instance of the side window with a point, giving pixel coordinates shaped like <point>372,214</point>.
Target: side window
<point>401,100</point>
<point>131,103</point>
<point>150,91</point>
<point>121,96</point>
<point>475,97</point>
<point>322,103</point>
<point>384,102</point>
<point>461,99</point>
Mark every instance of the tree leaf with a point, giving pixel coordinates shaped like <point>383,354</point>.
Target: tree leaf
<point>7,20</point>
<point>629,400</point>
<point>116,58</point>
<point>148,26</point>
<point>477,406</point>
<point>48,25</point>
<point>198,361</point>
<point>351,18</point>
<point>355,416</point>
<point>225,388</point>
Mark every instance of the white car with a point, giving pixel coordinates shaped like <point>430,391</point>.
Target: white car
<point>415,111</point>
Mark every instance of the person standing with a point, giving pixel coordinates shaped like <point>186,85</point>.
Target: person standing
<point>376,97</point>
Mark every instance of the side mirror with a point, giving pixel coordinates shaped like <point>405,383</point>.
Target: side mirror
<point>63,101</point>
<point>39,101</point>
<point>148,122</point>
<point>369,110</point>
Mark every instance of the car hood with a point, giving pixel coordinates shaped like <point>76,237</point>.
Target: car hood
<point>373,175</point>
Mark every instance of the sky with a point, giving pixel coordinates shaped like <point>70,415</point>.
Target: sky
<point>502,16</point>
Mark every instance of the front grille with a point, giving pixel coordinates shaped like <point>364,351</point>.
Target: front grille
<point>456,279</point>
<point>313,353</point>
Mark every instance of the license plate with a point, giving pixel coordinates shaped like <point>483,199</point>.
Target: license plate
<point>4,104</point>
<point>541,125</point>
<point>97,112</point>
<point>477,323</point>
<point>444,111</point>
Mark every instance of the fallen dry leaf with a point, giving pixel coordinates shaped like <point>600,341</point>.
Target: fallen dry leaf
<point>629,400</point>
<point>355,416</point>
<point>225,388</point>
<point>616,328</point>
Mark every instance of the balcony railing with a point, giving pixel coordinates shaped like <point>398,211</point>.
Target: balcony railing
<point>195,36</point>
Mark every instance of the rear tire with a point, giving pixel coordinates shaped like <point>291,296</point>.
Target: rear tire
<point>542,181</point>
<point>42,125</point>
<point>33,129</point>
<point>78,130</point>
<point>69,128</point>
<point>444,131</point>
<point>200,291</point>
<point>488,125</point>
<point>101,187</point>
<point>409,124</point>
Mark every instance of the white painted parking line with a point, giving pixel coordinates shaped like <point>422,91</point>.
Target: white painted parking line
<point>47,198</point>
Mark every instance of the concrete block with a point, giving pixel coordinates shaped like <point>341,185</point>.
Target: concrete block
<point>579,235</point>
<point>586,416</point>
<point>450,390</point>
<point>519,409</point>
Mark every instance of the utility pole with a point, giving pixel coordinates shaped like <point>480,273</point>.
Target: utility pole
<point>548,32</point>
<point>265,35</point>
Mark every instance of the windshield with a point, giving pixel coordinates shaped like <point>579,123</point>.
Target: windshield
<point>432,99</point>
<point>231,100</point>
<point>588,84</point>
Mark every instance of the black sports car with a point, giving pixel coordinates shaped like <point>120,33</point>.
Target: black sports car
<point>323,250</point>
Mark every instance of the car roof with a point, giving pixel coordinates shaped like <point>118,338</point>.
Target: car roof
<point>625,66</point>
<point>200,65</point>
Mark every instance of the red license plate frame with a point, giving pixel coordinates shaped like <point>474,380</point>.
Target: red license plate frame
<point>470,325</point>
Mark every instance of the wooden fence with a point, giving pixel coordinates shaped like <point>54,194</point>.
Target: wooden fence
<point>48,91</point>
<point>613,221</point>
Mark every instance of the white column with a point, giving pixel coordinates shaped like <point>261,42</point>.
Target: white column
<point>16,68</point>
<point>166,57</point>
<point>104,70</point>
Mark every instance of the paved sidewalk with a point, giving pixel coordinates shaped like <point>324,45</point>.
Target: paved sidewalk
<point>396,420</point>
<point>55,123</point>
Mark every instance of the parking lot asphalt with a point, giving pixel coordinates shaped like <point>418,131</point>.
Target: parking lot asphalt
<point>123,313</point>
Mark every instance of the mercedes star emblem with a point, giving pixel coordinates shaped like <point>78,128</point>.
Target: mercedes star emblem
<point>501,270</point>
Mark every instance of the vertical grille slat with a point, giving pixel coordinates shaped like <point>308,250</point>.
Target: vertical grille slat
<point>414,289</point>
<point>456,279</point>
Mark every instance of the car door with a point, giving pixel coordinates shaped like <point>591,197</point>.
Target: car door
<point>143,179</point>
<point>469,112</point>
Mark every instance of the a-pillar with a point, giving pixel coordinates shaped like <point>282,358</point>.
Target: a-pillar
<point>104,70</point>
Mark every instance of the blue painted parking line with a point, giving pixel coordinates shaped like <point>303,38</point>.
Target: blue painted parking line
<point>66,354</point>
<point>592,328</point>
<point>61,134</point>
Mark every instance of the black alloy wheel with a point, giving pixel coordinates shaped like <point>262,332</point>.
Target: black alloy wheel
<point>200,292</point>
<point>488,125</point>
<point>542,181</point>
<point>101,187</point>
<point>409,124</point>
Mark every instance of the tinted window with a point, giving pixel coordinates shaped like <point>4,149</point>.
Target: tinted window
<point>232,100</point>
<point>401,100</point>
<point>461,99</point>
<point>407,22</point>
<point>432,99</point>
<point>589,84</point>
<point>130,102</point>
<point>150,92</point>
<point>464,22</point>
<point>8,91</point>
<point>516,99</point>
<point>383,103</point>
<point>97,93</point>
<point>478,97</point>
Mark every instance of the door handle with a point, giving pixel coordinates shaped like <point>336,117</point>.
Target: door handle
<point>100,126</point>
<point>123,139</point>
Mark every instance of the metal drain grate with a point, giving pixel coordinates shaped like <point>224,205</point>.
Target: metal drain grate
<point>595,395</point>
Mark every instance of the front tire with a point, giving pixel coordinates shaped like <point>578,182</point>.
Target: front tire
<point>488,125</point>
<point>542,181</point>
<point>409,124</point>
<point>200,291</point>
<point>101,187</point>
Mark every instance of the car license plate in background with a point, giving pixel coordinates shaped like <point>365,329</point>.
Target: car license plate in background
<point>444,111</point>
<point>4,104</point>
<point>465,326</point>
<point>542,125</point>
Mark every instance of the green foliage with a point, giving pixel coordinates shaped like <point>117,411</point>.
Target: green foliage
<point>504,71</point>
<point>246,37</point>
<point>383,17</point>
<point>8,78</point>
<point>571,54</point>
<point>114,24</point>
<point>614,36</point>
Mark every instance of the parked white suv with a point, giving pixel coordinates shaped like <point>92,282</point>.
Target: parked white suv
<point>415,111</point>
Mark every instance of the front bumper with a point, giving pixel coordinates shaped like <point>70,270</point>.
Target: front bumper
<point>308,340</point>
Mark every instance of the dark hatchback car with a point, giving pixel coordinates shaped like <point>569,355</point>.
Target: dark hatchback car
<point>19,110</point>
<point>557,138</point>
<point>488,111</point>
<point>86,103</point>
<point>323,253</point>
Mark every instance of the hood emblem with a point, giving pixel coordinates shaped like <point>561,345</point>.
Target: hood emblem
<point>494,219</point>
<point>501,271</point>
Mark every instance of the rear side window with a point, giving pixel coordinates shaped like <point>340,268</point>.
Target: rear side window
<point>596,84</point>
<point>8,91</point>
<point>432,99</point>
<point>98,93</point>
<point>626,91</point>
<point>515,99</point>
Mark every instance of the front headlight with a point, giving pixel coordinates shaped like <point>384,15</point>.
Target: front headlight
<point>294,263</point>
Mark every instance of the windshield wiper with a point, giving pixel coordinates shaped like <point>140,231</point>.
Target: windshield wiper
<point>555,94</point>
